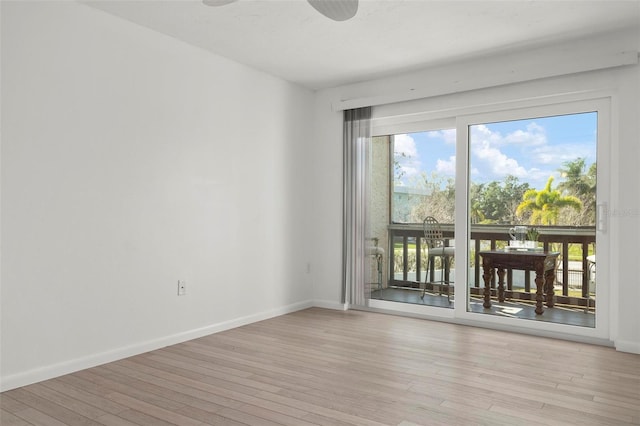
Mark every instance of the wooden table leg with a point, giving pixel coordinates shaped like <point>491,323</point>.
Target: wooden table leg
<point>549,279</point>
<point>488,274</point>
<point>539,291</point>
<point>447,267</point>
<point>501,273</point>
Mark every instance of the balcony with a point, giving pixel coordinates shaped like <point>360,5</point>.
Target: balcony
<point>406,267</point>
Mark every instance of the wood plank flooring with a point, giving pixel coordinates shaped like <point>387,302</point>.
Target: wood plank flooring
<point>324,367</point>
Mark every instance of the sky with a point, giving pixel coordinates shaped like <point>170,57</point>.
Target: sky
<point>532,149</point>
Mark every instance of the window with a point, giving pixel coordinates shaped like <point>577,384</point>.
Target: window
<point>533,166</point>
<point>424,170</point>
<point>538,171</point>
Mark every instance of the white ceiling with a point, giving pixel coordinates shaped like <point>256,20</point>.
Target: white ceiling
<point>291,40</point>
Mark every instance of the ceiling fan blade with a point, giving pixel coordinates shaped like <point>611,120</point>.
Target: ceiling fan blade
<point>338,10</point>
<point>218,2</point>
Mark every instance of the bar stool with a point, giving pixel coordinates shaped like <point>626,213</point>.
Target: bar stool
<point>591,279</point>
<point>377,254</point>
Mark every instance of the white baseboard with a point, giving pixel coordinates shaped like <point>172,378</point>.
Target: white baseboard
<point>48,372</point>
<point>330,304</point>
<point>627,346</point>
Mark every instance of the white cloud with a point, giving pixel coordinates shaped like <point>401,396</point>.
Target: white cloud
<point>556,155</point>
<point>404,144</point>
<point>447,167</point>
<point>535,135</point>
<point>483,133</point>
<point>495,164</point>
<point>406,155</point>
<point>448,135</point>
<point>537,159</point>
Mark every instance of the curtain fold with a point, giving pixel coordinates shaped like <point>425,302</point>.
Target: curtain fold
<point>357,146</point>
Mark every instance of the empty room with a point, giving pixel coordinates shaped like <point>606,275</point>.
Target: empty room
<point>330,212</point>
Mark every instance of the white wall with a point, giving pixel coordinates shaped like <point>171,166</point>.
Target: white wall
<point>131,160</point>
<point>326,185</point>
<point>545,75</point>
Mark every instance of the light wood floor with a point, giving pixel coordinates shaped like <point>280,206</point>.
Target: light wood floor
<point>345,368</point>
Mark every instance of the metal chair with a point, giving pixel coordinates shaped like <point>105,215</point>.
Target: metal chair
<point>591,279</point>
<point>377,254</point>
<point>436,247</point>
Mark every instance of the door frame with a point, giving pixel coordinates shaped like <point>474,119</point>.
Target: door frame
<point>602,103</point>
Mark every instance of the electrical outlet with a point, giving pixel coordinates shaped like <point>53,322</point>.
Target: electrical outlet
<point>182,287</point>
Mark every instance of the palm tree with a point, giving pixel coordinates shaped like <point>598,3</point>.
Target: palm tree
<point>545,205</point>
<point>581,185</point>
<point>476,213</point>
<point>576,181</point>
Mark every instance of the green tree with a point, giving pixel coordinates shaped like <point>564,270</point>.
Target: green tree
<point>581,185</point>
<point>498,201</point>
<point>545,205</point>
<point>398,171</point>
<point>439,201</point>
<point>475,208</point>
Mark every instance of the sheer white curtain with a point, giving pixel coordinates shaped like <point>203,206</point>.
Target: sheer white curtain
<point>357,147</point>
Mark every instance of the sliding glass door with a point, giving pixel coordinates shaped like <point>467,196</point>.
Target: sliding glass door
<point>532,211</point>
<point>526,183</point>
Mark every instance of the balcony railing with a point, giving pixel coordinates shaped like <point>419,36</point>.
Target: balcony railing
<point>407,261</point>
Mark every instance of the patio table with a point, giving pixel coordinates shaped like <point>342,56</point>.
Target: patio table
<point>543,263</point>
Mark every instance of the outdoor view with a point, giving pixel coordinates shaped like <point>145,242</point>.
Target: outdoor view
<point>538,172</point>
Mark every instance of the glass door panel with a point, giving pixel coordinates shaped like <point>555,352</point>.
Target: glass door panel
<point>420,183</point>
<point>532,197</point>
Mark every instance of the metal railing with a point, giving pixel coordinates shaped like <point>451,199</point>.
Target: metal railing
<point>407,260</point>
